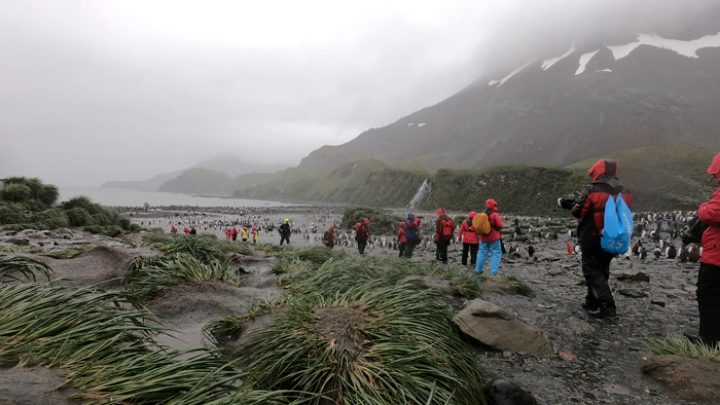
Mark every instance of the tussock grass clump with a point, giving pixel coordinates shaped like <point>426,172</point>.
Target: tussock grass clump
<point>107,349</point>
<point>148,276</point>
<point>341,274</point>
<point>201,247</point>
<point>13,266</point>
<point>316,255</point>
<point>366,346</point>
<point>681,346</point>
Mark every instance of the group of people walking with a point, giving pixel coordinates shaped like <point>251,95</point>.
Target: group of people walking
<point>480,235</point>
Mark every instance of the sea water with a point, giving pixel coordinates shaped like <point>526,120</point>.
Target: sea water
<point>116,197</point>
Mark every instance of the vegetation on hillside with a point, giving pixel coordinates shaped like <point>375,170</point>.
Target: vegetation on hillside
<point>517,189</point>
<point>30,204</point>
<point>365,182</point>
<point>380,221</point>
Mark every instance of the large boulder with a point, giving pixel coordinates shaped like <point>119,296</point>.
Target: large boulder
<point>500,329</point>
<point>687,378</point>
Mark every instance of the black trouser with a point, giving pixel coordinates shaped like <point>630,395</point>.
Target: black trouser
<point>596,269</point>
<point>361,246</point>
<point>708,296</point>
<point>442,247</point>
<point>409,249</point>
<point>285,238</point>
<point>401,249</point>
<point>471,248</point>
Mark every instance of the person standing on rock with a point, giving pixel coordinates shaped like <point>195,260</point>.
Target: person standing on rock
<point>362,233</point>
<point>491,244</point>
<point>411,229</point>
<point>285,232</point>
<point>589,208</point>
<point>708,284</point>
<point>469,239</point>
<point>444,231</point>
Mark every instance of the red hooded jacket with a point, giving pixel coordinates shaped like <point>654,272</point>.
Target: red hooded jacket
<point>401,233</point>
<point>495,222</point>
<point>709,213</point>
<point>467,232</point>
<point>443,218</point>
<point>590,208</point>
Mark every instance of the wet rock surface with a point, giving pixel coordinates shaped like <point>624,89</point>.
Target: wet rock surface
<point>500,329</point>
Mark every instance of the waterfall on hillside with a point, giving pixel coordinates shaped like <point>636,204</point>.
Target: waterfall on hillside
<point>422,194</point>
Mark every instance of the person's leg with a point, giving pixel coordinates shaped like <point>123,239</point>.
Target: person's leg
<point>465,251</point>
<point>495,257</point>
<point>401,249</point>
<point>596,269</point>
<point>409,248</point>
<point>473,253</point>
<point>708,297</point>
<point>481,257</point>
<point>443,246</point>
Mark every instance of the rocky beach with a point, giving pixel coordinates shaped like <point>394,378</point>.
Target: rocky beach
<point>540,338</point>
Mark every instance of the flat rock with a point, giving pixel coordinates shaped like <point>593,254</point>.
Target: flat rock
<point>500,329</point>
<point>687,378</point>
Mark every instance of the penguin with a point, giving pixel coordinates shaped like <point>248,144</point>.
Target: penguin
<point>643,253</point>
<point>657,252</point>
<point>636,247</point>
<point>693,254</point>
<point>531,250</point>
<point>671,252</point>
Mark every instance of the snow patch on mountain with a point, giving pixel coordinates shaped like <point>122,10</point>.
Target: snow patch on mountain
<point>508,77</point>
<point>584,60</point>
<point>548,63</point>
<point>688,49</point>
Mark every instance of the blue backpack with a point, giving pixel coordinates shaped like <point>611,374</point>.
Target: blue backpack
<point>619,226</point>
<point>411,231</point>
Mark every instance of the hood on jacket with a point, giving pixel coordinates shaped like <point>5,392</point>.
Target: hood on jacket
<point>366,221</point>
<point>440,212</point>
<point>472,214</point>
<point>491,204</point>
<point>411,216</point>
<point>714,169</point>
<point>603,168</point>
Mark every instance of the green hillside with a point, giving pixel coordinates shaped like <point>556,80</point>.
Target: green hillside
<point>517,189</point>
<point>364,182</point>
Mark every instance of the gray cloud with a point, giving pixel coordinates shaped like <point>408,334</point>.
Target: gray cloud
<point>94,91</point>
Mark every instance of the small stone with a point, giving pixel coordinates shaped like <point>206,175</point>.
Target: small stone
<point>567,356</point>
<point>658,303</point>
<point>555,271</point>
<point>505,392</point>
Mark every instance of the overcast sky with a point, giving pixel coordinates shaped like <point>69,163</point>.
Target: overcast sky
<point>118,90</point>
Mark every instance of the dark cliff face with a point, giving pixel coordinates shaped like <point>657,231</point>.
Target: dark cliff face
<point>556,116</point>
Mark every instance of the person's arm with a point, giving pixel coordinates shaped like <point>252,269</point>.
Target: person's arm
<point>709,212</point>
<point>497,222</point>
<point>582,205</point>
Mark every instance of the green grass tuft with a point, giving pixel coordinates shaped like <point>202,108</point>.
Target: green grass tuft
<point>681,346</point>
<point>368,345</point>
<point>13,266</point>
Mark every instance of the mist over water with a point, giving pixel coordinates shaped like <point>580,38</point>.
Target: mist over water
<point>133,198</point>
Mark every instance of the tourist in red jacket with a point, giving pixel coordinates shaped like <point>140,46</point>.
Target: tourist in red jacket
<point>491,243</point>
<point>589,208</point>
<point>708,284</point>
<point>469,239</point>
<point>444,232</point>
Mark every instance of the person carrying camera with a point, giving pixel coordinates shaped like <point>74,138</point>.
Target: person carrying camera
<point>589,208</point>
<point>708,284</point>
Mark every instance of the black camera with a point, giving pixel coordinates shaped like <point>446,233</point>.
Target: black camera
<point>694,232</point>
<point>568,202</point>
